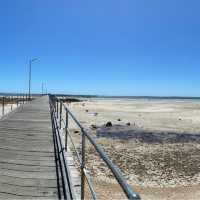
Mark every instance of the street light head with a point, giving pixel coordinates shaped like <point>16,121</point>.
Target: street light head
<point>34,59</point>
<point>30,66</point>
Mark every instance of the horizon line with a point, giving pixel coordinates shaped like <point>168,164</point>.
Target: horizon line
<point>109,96</point>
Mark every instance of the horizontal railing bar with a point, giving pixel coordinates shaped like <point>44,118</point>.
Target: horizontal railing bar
<point>85,172</point>
<point>73,117</point>
<point>66,186</point>
<point>67,190</point>
<point>114,169</point>
<point>88,179</point>
<point>79,159</point>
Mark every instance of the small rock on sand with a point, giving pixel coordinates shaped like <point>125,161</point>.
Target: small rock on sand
<point>109,124</point>
<point>93,126</point>
<point>76,131</point>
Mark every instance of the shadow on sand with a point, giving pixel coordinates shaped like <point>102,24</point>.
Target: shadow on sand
<point>126,133</point>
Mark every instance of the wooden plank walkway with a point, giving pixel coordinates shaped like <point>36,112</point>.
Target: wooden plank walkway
<point>27,162</point>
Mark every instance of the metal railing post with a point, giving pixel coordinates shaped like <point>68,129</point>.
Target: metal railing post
<point>55,105</point>
<point>66,129</point>
<point>82,167</point>
<point>3,104</point>
<point>11,103</point>
<point>57,108</point>
<point>60,122</point>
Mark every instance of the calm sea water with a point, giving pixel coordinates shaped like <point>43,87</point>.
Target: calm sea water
<point>95,97</point>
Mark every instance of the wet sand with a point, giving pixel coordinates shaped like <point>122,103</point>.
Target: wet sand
<point>158,151</point>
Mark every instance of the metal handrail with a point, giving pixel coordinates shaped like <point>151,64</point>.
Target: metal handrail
<point>61,166</point>
<point>85,135</point>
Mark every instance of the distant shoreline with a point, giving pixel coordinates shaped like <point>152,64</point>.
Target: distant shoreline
<point>110,97</point>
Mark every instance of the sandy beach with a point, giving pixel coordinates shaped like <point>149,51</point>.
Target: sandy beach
<point>156,143</point>
<point>162,115</point>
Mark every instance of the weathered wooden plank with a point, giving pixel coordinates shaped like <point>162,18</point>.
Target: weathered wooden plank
<point>27,163</point>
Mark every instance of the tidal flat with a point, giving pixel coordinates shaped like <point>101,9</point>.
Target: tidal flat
<point>156,144</point>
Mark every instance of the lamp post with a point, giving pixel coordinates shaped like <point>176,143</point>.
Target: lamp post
<point>42,89</point>
<point>30,73</point>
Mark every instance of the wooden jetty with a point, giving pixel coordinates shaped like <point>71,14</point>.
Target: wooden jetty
<point>35,158</point>
<point>27,161</point>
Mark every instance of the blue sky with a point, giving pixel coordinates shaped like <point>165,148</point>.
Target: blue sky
<point>110,47</point>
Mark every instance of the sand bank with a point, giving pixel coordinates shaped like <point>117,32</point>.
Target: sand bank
<point>159,149</point>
